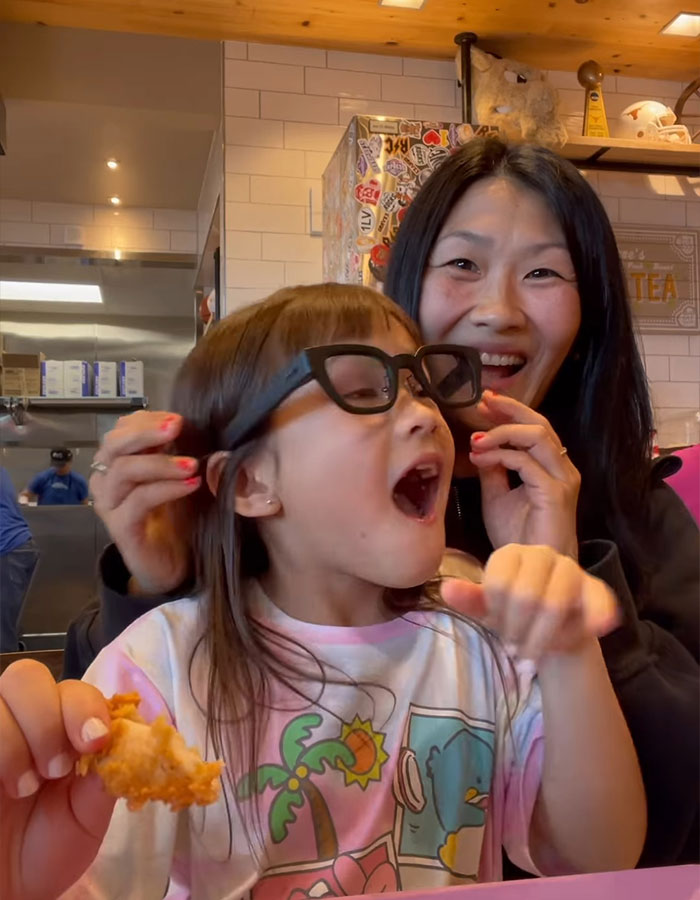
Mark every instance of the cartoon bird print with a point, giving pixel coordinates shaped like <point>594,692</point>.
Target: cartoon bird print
<point>459,773</point>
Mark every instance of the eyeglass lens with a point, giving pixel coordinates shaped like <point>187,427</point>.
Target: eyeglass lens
<point>364,382</point>
<point>451,376</point>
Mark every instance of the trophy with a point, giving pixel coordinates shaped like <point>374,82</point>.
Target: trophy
<point>595,123</point>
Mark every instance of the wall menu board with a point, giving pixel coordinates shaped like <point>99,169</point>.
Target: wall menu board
<point>663,277</point>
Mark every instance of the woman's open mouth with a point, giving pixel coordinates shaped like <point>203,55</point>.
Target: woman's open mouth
<point>496,367</point>
<point>415,493</point>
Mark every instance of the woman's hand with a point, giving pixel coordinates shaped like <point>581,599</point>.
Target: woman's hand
<point>537,600</point>
<point>542,510</point>
<point>136,496</point>
<point>52,821</point>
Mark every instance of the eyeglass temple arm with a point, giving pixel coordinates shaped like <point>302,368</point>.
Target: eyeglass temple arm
<point>298,373</point>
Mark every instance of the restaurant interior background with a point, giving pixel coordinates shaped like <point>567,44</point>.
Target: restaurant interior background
<point>221,144</point>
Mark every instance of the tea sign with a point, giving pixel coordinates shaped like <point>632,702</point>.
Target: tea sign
<point>663,277</point>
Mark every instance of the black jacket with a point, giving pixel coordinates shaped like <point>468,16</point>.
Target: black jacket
<point>652,658</point>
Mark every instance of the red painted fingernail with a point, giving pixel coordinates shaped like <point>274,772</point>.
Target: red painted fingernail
<point>192,481</point>
<point>167,422</point>
<point>478,435</point>
<point>187,465</point>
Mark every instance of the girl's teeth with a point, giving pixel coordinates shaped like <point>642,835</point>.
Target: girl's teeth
<point>500,359</point>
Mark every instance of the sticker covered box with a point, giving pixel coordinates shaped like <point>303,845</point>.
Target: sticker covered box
<point>377,169</point>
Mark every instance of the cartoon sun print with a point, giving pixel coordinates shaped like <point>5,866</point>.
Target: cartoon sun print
<point>368,747</point>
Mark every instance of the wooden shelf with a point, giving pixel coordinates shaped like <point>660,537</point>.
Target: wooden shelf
<point>618,155</point>
<point>76,403</point>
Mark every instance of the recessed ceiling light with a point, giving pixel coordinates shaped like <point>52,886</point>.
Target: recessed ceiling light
<point>407,4</point>
<point>115,201</point>
<point>117,253</point>
<point>112,163</point>
<point>50,292</point>
<point>684,24</point>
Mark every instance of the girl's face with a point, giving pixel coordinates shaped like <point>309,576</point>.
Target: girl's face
<point>362,496</point>
<point>500,279</point>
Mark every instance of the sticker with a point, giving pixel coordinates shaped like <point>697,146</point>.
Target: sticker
<point>368,193</point>
<point>383,222</point>
<point>419,155</point>
<point>394,145</point>
<point>437,156</point>
<point>395,167</point>
<point>364,243</point>
<point>369,155</point>
<point>411,128</point>
<point>362,166</point>
<point>434,125</point>
<point>384,126</point>
<point>432,138</point>
<point>366,220</point>
<point>460,134</point>
<point>390,202</point>
<point>375,145</point>
<point>380,254</point>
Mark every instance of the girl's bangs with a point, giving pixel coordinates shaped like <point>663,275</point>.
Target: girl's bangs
<point>326,317</point>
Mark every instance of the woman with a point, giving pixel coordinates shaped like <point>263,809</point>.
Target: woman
<point>507,249</point>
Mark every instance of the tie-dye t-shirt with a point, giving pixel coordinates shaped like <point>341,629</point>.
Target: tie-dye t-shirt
<point>411,773</point>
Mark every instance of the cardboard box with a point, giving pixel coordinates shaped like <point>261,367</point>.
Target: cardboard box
<point>52,384</point>
<point>20,374</point>
<point>105,379</point>
<point>131,378</point>
<point>76,378</point>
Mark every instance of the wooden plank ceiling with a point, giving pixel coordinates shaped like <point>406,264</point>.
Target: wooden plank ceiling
<point>623,35</point>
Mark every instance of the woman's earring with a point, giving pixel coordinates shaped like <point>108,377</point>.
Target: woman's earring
<point>270,501</point>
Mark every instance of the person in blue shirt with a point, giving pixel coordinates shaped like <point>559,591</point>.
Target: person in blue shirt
<point>57,486</point>
<point>18,558</point>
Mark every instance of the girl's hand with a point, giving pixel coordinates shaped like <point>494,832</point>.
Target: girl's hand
<point>542,510</point>
<point>136,496</point>
<point>52,821</point>
<point>538,601</point>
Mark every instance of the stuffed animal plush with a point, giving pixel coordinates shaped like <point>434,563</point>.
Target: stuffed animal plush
<point>517,98</point>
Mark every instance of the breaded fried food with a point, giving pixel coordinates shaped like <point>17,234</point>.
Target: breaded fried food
<point>145,762</point>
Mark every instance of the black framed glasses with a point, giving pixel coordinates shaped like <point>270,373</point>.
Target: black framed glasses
<point>364,380</point>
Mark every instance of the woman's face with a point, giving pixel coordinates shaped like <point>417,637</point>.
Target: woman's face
<point>499,278</point>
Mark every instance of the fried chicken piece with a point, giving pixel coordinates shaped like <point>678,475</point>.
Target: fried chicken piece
<point>150,762</point>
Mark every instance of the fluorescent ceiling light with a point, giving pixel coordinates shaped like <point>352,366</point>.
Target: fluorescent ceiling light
<point>50,292</point>
<point>407,4</point>
<point>112,163</point>
<point>115,201</point>
<point>685,24</point>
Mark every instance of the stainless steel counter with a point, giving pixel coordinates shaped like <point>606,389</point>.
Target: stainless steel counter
<point>70,540</point>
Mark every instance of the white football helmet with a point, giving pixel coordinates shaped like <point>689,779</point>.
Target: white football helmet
<point>649,120</point>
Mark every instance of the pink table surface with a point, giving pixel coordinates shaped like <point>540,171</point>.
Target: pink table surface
<point>672,883</point>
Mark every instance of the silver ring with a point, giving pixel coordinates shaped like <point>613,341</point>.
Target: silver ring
<point>99,467</point>
<point>563,451</point>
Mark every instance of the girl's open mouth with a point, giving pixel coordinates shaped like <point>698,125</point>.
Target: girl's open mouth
<point>415,493</point>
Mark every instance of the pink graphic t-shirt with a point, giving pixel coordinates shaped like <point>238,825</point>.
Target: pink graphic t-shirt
<point>415,766</point>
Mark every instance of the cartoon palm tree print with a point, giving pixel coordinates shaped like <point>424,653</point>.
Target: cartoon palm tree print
<point>293,781</point>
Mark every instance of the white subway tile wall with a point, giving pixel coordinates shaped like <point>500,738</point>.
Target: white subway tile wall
<point>41,224</point>
<point>315,94</point>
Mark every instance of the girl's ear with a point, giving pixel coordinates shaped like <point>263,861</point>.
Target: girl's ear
<point>255,496</point>
<point>215,467</point>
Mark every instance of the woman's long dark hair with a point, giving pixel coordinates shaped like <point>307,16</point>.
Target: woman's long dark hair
<point>599,401</point>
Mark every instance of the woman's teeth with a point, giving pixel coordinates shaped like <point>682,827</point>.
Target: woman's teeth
<point>501,359</point>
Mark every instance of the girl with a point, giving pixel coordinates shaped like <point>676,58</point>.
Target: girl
<point>374,738</point>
